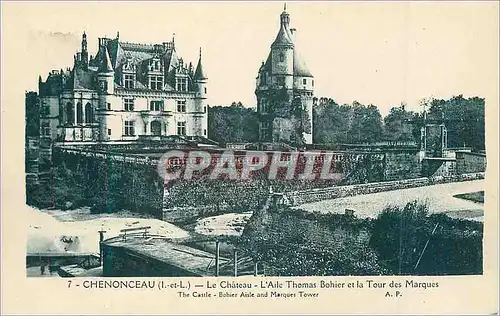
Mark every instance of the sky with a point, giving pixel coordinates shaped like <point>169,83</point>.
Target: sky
<point>380,53</point>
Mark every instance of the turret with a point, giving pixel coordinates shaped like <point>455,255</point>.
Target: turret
<point>285,69</point>
<point>85,53</point>
<point>84,42</point>
<point>106,75</point>
<point>200,79</point>
<point>282,54</point>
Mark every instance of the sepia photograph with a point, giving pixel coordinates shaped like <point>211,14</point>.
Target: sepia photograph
<point>254,140</point>
<point>130,171</point>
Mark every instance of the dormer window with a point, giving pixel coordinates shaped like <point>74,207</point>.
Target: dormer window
<point>129,81</point>
<point>155,65</point>
<point>181,84</point>
<point>156,82</point>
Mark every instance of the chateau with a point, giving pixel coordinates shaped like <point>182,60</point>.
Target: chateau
<point>284,91</point>
<point>126,92</point>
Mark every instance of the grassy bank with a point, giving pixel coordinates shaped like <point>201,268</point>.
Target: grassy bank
<point>400,241</point>
<point>477,197</point>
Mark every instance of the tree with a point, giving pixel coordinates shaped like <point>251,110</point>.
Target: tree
<point>300,243</point>
<point>32,114</point>
<point>337,124</point>
<point>234,123</point>
<point>464,120</point>
<point>329,122</point>
<point>410,242</point>
<point>398,125</point>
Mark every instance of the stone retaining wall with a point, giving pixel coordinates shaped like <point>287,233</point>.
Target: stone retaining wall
<point>180,214</point>
<point>468,162</point>
<point>315,195</point>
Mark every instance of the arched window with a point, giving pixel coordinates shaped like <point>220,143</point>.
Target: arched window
<point>79,113</point>
<point>156,128</point>
<point>70,113</point>
<point>282,57</point>
<point>89,113</point>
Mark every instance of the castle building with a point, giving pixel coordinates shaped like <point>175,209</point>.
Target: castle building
<point>126,92</point>
<point>284,91</point>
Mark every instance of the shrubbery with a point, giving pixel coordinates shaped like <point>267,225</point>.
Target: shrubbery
<point>295,242</point>
<point>400,235</point>
<point>298,243</point>
<point>60,190</point>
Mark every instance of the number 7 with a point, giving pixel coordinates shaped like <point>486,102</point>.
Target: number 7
<point>69,283</point>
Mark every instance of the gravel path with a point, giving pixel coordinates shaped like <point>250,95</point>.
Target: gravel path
<point>438,197</point>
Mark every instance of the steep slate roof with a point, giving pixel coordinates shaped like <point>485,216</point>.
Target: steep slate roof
<point>299,65</point>
<point>106,63</point>
<point>121,52</point>
<point>111,57</point>
<point>283,37</point>
<point>300,68</point>
<point>199,73</point>
<point>171,59</point>
<point>82,79</point>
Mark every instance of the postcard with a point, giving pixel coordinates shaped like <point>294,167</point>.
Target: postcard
<point>250,157</point>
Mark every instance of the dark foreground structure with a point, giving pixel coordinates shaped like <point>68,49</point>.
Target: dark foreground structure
<point>145,255</point>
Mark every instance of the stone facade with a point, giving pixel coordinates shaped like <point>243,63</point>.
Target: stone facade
<point>126,92</point>
<point>284,91</point>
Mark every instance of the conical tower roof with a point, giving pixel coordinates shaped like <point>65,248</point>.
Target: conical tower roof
<point>199,74</point>
<point>106,66</point>
<point>300,68</point>
<point>284,37</point>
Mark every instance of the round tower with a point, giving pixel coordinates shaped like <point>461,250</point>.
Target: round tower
<point>106,75</point>
<point>201,119</point>
<point>106,87</point>
<point>200,80</point>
